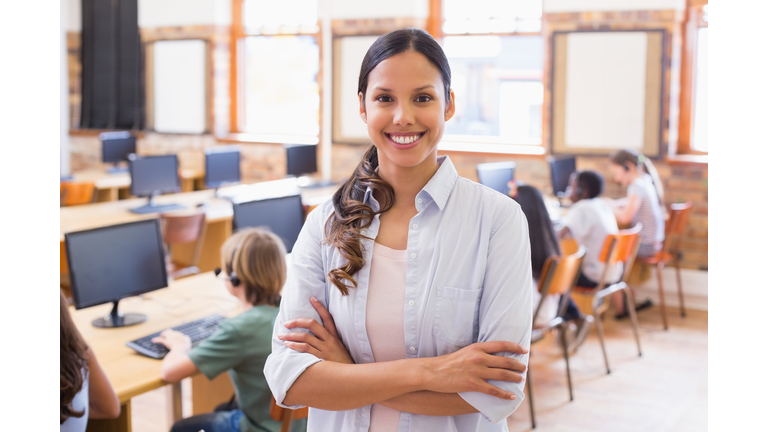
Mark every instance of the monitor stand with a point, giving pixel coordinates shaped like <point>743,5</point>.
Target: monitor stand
<point>152,207</point>
<point>116,319</point>
<point>306,182</point>
<point>117,169</point>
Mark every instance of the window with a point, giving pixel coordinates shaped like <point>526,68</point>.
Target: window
<point>276,67</point>
<point>496,53</point>
<point>693,136</point>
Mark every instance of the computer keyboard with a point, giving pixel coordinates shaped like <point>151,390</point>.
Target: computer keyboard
<point>197,331</point>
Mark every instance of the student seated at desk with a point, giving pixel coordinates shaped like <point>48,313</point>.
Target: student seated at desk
<point>84,390</point>
<point>254,271</point>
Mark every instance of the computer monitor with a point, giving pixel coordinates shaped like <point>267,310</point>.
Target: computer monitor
<point>111,263</point>
<point>115,148</point>
<point>151,176</point>
<point>284,216</point>
<point>222,166</point>
<point>561,169</point>
<point>496,175</point>
<point>301,159</point>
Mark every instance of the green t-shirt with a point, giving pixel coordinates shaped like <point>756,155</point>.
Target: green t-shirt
<point>241,345</point>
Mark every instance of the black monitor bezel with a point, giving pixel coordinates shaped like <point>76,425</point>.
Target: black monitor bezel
<point>174,189</point>
<point>73,276</point>
<point>108,138</point>
<point>288,147</point>
<point>553,161</point>
<point>236,205</point>
<point>496,166</point>
<point>219,150</point>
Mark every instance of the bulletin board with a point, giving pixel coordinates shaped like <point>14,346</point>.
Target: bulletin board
<point>348,53</point>
<point>607,91</point>
<point>177,73</point>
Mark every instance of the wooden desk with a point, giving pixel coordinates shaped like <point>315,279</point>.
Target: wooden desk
<point>111,187</point>
<point>132,374</point>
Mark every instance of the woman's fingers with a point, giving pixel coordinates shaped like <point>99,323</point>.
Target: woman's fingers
<point>501,346</point>
<point>500,362</point>
<point>502,375</point>
<point>328,322</point>
<point>307,323</point>
<point>300,337</point>
<point>490,389</point>
<point>303,348</point>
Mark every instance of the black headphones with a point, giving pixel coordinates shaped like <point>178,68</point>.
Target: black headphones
<point>232,275</point>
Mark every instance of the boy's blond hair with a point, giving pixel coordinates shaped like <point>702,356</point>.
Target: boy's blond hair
<point>257,256</point>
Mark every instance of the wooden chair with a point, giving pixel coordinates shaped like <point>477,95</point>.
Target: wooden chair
<point>670,251</point>
<point>76,193</point>
<point>180,228</point>
<point>285,415</point>
<point>558,277</point>
<point>617,248</point>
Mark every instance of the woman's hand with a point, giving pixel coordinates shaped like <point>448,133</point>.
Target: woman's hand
<point>324,342</point>
<point>174,340</point>
<point>469,369</point>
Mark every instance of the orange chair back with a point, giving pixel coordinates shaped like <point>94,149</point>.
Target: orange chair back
<point>182,228</point>
<point>620,247</point>
<point>76,193</point>
<point>561,272</point>
<point>286,416</point>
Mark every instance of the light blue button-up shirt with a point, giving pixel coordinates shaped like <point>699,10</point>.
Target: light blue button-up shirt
<point>468,280</point>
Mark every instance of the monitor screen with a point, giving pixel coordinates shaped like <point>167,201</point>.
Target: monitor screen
<point>111,263</point>
<point>301,159</point>
<point>496,175</point>
<point>284,216</point>
<point>153,173</point>
<point>561,169</point>
<point>222,166</point>
<point>116,146</point>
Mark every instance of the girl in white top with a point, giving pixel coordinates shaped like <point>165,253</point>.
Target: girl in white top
<point>421,279</point>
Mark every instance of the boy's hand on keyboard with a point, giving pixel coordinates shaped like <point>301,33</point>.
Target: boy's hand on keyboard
<point>174,340</point>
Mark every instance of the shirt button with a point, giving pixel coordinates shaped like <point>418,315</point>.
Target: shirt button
<point>413,349</point>
<point>420,200</point>
<point>411,303</point>
<point>413,255</point>
<point>415,226</point>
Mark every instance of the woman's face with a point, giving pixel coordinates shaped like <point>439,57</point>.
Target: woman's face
<point>619,174</point>
<point>405,110</point>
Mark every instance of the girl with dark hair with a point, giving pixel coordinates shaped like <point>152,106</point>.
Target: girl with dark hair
<point>84,389</point>
<point>408,306</point>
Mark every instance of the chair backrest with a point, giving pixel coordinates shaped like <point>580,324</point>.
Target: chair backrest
<point>675,228</point>
<point>76,193</point>
<point>496,175</point>
<point>286,416</point>
<point>182,228</point>
<point>559,275</point>
<point>620,248</point>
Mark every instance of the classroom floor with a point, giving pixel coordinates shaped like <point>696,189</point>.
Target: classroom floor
<point>664,390</point>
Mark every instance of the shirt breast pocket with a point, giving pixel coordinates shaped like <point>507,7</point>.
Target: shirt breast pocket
<point>455,312</point>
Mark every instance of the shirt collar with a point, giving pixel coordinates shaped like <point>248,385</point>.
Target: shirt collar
<point>437,189</point>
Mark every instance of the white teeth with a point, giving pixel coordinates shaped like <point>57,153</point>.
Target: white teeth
<point>405,139</point>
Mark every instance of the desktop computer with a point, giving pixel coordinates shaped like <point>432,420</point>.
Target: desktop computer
<point>151,176</point>
<point>496,175</point>
<point>284,216</point>
<point>222,166</point>
<point>111,263</point>
<point>115,149</point>
<point>561,169</point>
<point>301,159</point>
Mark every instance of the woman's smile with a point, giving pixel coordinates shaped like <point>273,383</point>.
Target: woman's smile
<point>404,140</point>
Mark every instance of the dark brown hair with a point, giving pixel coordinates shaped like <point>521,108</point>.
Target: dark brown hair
<point>541,233</point>
<point>257,256</point>
<point>351,215</point>
<point>73,358</point>
<point>623,157</point>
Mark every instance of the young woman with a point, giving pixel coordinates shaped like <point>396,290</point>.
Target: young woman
<point>254,271</point>
<point>84,389</point>
<point>425,275</point>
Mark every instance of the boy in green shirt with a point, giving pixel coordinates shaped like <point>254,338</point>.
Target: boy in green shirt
<point>254,271</point>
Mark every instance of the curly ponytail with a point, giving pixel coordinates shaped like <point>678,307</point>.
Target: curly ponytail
<point>351,216</point>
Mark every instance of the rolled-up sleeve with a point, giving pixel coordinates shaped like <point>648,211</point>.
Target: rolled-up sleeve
<point>505,307</point>
<point>306,278</point>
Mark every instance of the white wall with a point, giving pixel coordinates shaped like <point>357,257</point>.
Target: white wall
<point>71,11</point>
<point>362,9</point>
<point>174,13</point>
<point>611,5</point>
<point>66,20</point>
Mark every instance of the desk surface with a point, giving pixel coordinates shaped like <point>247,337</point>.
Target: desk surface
<point>184,300</point>
<point>102,179</point>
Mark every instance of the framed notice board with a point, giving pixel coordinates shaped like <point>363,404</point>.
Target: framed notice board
<point>607,91</point>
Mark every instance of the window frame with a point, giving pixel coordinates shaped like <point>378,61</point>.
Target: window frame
<point>236,104</point>
<point>692,22</point>
<point>435,23</point>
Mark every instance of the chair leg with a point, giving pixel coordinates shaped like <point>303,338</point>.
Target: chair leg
<point>633,316</point>
<point>530,397</point>
<point>599,325</point>
<point>679,286</point>
<point>567,362</point>
<point>659,267</point>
